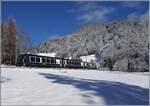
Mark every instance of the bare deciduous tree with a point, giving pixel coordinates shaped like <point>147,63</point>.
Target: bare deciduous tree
<point>24,41</point>
<point>10,49</point>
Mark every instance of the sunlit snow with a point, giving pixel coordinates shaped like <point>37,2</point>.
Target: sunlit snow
<point>48,86</point>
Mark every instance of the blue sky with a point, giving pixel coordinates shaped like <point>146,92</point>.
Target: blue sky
<point>49,20</point>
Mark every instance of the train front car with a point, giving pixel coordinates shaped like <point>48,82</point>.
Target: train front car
<point>44,61</point>
<point>22,60</point>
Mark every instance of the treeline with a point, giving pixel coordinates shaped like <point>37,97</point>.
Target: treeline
<point>13,42</point>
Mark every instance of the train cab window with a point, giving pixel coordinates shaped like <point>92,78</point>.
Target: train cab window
<point>43,60</point>
<point>20,59</point>
<point>37,59</point>
<point>32,59</point>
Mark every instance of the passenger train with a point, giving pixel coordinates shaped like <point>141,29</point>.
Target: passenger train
<point>30,60</point>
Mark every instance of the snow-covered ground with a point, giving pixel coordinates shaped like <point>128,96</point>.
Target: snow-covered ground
<point>41,86</point>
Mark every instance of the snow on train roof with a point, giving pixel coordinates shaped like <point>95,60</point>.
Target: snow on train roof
<point>53,55</point>
<point>47,54</point>
<point>88,58</point>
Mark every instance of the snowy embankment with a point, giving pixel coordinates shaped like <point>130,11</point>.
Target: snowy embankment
<point>41,86</point>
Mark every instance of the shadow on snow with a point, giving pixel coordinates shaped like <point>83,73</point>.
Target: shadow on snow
<point>114,93</point>
<point>4,79</point>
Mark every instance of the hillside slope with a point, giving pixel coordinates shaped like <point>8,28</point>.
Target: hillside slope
<point>123,45</point>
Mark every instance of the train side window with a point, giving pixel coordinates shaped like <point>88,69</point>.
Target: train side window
<point>64,62</point>
<point>52,61</point>
<point>76,63</point>
<point>37,59</point>
<point>43,60</point>
<point>79,63</point>
<point>67,62</point>
<point>72,62</point>
<point>32,59</point>
<point>48,61</point>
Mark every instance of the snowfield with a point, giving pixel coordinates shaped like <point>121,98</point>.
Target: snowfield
<point>42,86</point>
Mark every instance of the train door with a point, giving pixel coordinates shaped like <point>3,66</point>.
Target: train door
<point>62,63</point>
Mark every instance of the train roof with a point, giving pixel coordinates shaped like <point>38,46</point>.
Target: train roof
<point>48,57</point>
